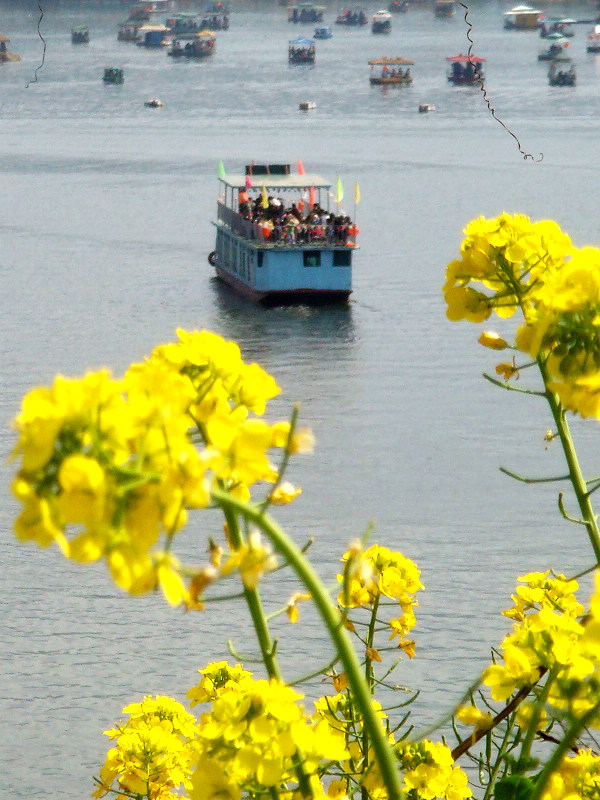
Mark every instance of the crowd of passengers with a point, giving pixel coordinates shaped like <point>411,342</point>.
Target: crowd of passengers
<point>291,226</point>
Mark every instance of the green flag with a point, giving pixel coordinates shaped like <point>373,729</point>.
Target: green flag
<point>222,175</point>
<point>339,191</point>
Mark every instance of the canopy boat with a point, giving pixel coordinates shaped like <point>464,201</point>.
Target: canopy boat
<point>5,54</point>
<point>523,18</point>
<point>128,30</point>
<point>556,49</point>
<point>444,8</point>
<point>113,75</point>
<point>465,70</point>
<point>305,12</point>
<point>143,11</point>
<point>398,6</point>
<point>301,51</point>
<point>216,22</point>
<point>390,72</point>
<point>152,36</point>
<point>352,16</point>
<point>561,74</point>
<point>593,40</point>
<point>277,241</point>
<point>184,25</point>
<point>323,32</point>
<point>560,25</point>
<point>202,45</point>
<point>381,22</point>
<point>80,34</point>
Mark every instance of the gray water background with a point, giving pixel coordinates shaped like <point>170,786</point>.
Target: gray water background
<point>105,225</point>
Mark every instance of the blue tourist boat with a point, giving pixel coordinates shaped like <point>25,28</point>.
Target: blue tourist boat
<point>277,239</point>
<point>301,51</point>
<point>323,32</point>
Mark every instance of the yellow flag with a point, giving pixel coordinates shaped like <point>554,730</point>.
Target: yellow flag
<point>339,190</point>
<point>356,194</point>
<point>265,199</point>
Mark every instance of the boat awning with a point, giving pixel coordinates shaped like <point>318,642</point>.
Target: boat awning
<point>462,59</point>
<point>293,181</point>
<point>522,10</point>
<point>154,29</point>
<point>300,41</point>
<point>381,61</point>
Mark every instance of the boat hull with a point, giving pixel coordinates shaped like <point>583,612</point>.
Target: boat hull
<point>390,81</point>
<point>282,297</point>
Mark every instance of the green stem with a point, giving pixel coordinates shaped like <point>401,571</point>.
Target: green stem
<point>536,715</point>
<point>499,760</point>
<point>575,475</point>
<point>370,681</point>
<point>339,636</point>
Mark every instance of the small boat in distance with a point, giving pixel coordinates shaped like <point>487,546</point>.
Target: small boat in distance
<point>184,25</point>
<point>305,12</point>
<point>398,6</point>
<point>154,103</point>
<point>352,16</point>
<point>381,22</point>
<point>556,49</point>
<point>278,241</point>
<point>562,25</point>
<point>523,18</point>
<point>153,36</point>
<point>561,74</point>
<point>301,51</point>
<point>593,40</point>
<point>444,8</point>
<point>389,71</point>
<point>113,75</point>
<point>80,34</point>
<point>5,54</point>
<point>465,70</point>
<point>202,45</point>
<point>323,32</point>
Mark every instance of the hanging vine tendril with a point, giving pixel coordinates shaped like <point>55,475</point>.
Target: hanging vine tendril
<point>484,92</point>
<point>41,64</point>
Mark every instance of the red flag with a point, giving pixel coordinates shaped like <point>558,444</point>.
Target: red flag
<point>248,182</point>
<point>311,198</point>
<point>300,168</point>
<point>300,205</point>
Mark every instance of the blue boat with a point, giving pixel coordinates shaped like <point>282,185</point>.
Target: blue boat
<point>277,240</point>
<point>323,32</point>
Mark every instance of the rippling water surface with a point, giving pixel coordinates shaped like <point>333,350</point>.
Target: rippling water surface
<point>105,230</point>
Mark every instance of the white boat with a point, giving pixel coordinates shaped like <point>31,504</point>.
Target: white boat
<point>381,22</point>
<point>523,18</point>
<point>593,40</point>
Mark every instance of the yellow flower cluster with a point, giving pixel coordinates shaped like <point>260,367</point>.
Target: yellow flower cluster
<point>548,637</point>
<point>381,573</point>
<point>510,262</point>
<point>108,467</point>
<point>429,772</point>
<point>250,737</point>
<point>578,778</point>
<point>154,752</point>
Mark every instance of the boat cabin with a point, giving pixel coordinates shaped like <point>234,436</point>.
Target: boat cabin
<point>323,32</point>
<point>381,22</point>
<point>593,40</point>
<point>465,70</point>
<point>444,8</point>
<point>143,11</point>
<point>523,18</point>
<point>301,51</point>
<point>153,36</point>
<point>5,54</point>
<point>562,25</point>
<point>561,74</point>
<point>113,75</point>
<point>203,44</point>
<point>128,30</point>
<point>216,22</point>
<point>184,25</point>
<point>398,6</point>
<point>305,12</point>
<point>352,16</point>
<point>80,34</point>
<point>556,48</point>
<point>278,238</point>
<point>390,71</point>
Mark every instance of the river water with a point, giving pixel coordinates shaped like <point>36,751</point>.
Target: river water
<point>105,230</point>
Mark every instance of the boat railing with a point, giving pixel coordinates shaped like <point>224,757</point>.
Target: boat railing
<point>243,227</point>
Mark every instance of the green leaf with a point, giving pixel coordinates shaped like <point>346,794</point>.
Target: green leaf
<point>514,787</point>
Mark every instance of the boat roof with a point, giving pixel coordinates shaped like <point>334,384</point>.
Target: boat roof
<point>4,38</point>
<point>386,60</point>
<point>157,28</point>
<point>466,59</point>
<point>522,10</point>
<point>293,181</point>
<point>185,15</point>
<point>301,41</point>
<point>382,13</point>
<point>204,34</point>
<point>564,20</point>
<point>554,37</point>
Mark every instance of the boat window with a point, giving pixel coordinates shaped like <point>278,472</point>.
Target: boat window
<point>342,258</point>
<point>312,258</point>
<point>260,255</point>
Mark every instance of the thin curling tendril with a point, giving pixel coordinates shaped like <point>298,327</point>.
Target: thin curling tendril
<point>41,64</point>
